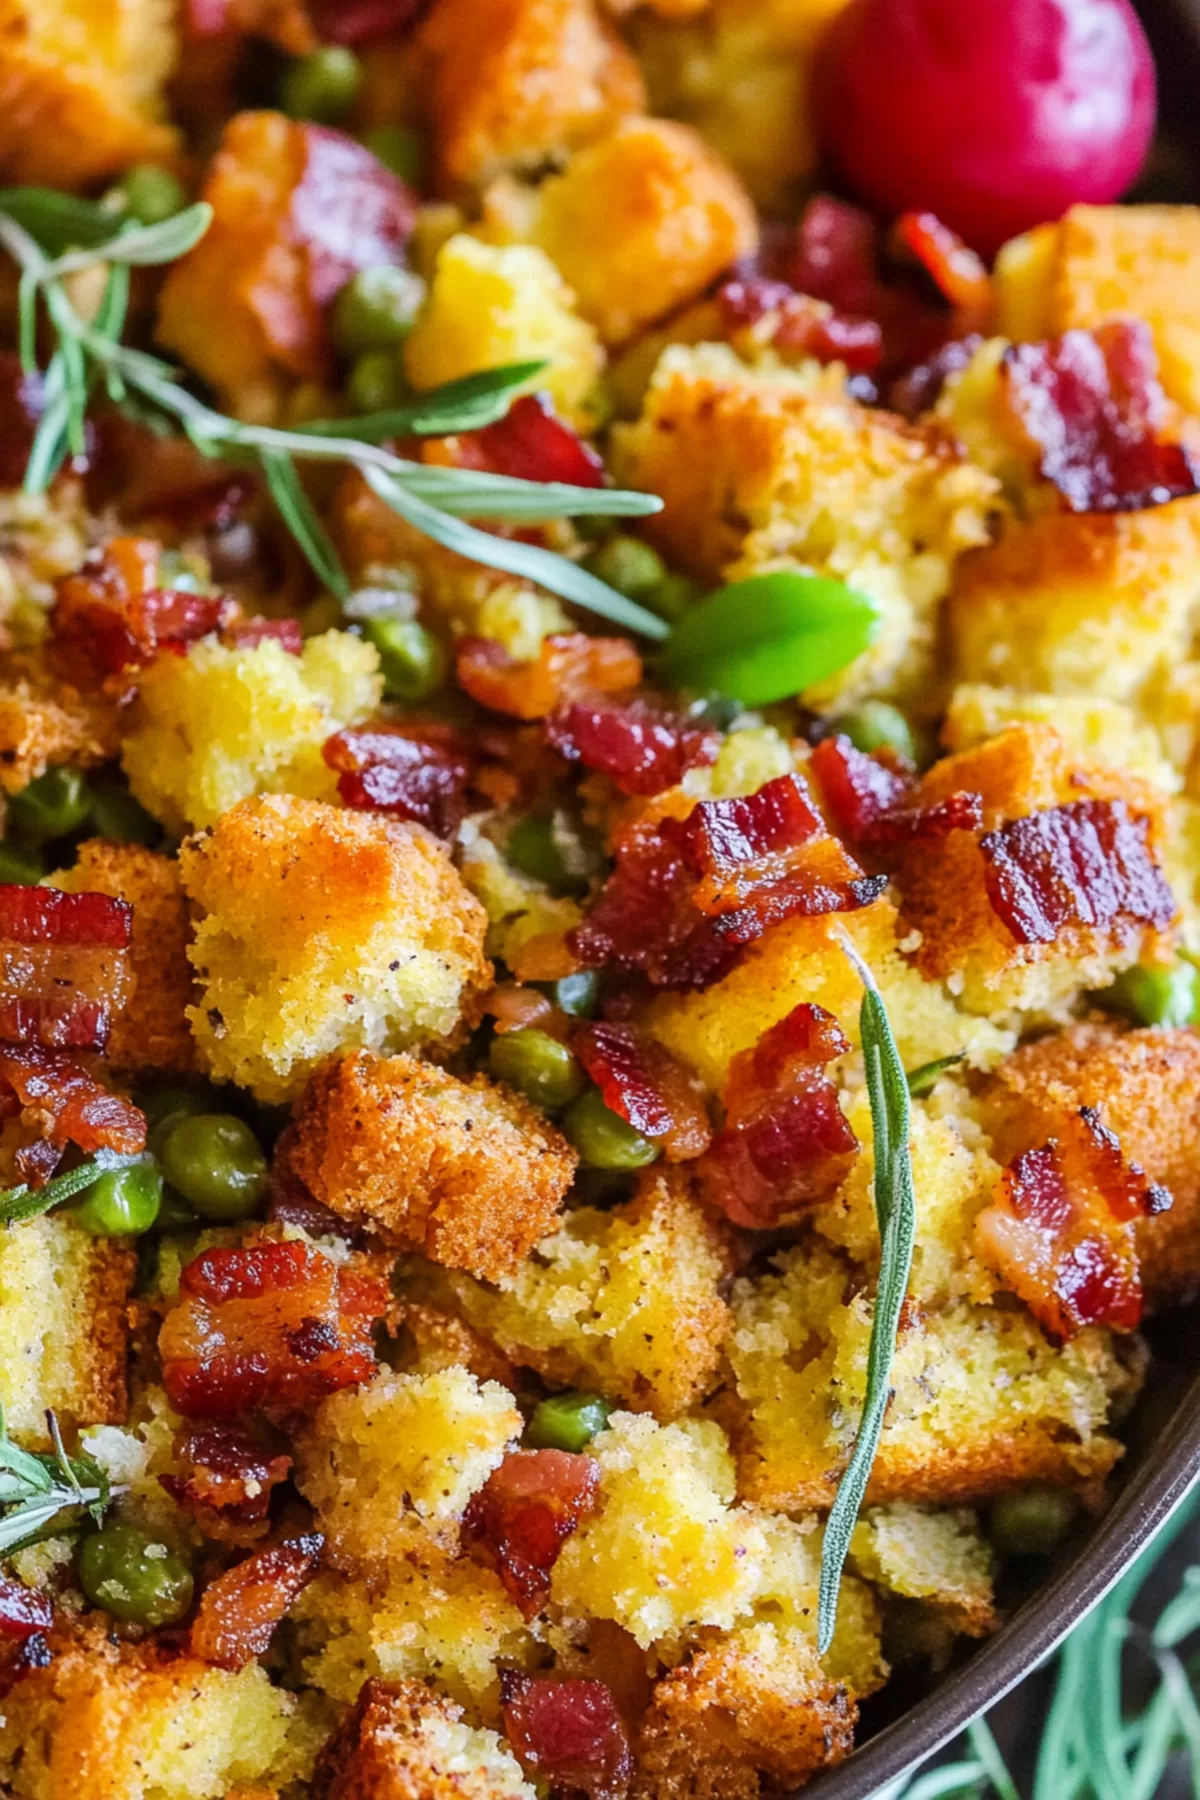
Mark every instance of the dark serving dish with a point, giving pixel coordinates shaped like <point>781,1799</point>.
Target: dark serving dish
<point>1163,1433</point>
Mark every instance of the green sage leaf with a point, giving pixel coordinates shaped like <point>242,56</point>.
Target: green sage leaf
<point>141,246</point>
<point>300,517</point>
<point>59,222</point>
<point>770,637</point>
<point>464,405</point>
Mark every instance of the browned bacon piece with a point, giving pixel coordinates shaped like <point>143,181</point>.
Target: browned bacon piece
<point>1087,863</point>
<point>112,615</point>
<point>531,444</point>
<point>347,210</point>
<point>66,1105</point>
<point>568,1733</point>
<point>24,1611</point>
<point>64,967</point>
<point>239,1611</point>
<point>524,1514</point>
<point>226,1476</point>
<point>799,325</point>
<point>960,274</point>
<point>414,772</point>
<point>641,744</point>
<point>568,666</point>
<point>871,800</point>
<point>646,1086</point>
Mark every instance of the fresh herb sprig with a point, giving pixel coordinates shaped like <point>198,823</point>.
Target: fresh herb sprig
<point>89,355</point>
<point>37,1490</point>
<point>20,1203</point>
<point>896,1211</point>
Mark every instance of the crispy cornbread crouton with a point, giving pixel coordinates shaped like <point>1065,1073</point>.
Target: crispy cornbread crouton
<point>469,1172</point>
<point>402,1742</point>
<point>544,77</point>
<point>44,723</point>
<point>116,1723</point>
<point>490,304</point>
<point>1105,731</point>
<point>52,1275</point>
<point>626,1302</point>
<point>221,723</point>
<point>1025,770</point>
<point>81,88</point>
<point>641,222</point>
<point>151,1033</point>
<point>981,1400</point>
<point>935,1555</point>
<point>440,1340</point>
<point>1146,1087</point>
<point>1105,262</point>
<point>1080,603</point>
<point>757,470</point>
<point>323,930</point>
<point>392,1466</point>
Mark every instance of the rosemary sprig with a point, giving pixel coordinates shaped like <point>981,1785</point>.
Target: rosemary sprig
<point>434,500</point>
<point>923,1080</point>
<point>896,1211</point>
<point>20,1203</point>
<point>36,1490</point>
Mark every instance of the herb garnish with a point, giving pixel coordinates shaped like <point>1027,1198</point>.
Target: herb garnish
<point>435,500</point>
<point>20,1203</point>
<point>36,1489</point>
<point>896,1211</point>
<point>923,1080</point>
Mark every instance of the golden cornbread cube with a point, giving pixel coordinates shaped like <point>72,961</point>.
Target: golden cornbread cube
<point>43,723</point>
<point>392,1465</point>
<point>470,1172</point>
<point>103,1722</point>
<point>1145,1085</point>
<point>1105,262</point>
<point>323,930</point>
<point>53,1275</point>
<point>1105,731</point>
<point>759,470</point>
<point>641,222</point>
<point>543,78</point>
<point>490,304</point>
<point>81,88</point>
<point>151,1033</point>
<point>935,1555</point>
<point>626,1302</point>
<point>981,1400</point>
<point>1079,603</point>
<point>221,723</point>
<point>403,1742</point>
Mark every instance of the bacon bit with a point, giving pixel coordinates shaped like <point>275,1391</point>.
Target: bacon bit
<point>357,22</point>
<point>798,325</point>
<point>347,210</point>
<point>400,771</point>
<point>24,1612</point>
<point>239,1611</point>
<point>64,972</point>
<point>524,1514</point>
<point>869,799</point>
<point>515,1008</point>
<point>960,274</point>
<point>642,745</point>
<point>67,1106</point>
<point>227,1474</point>
<point>832,255</point>
<point>248,634</point>
<point>1060,1233</point>
<point>1090,402</point>
<point>646,1086</point>
<point>786,1144</point>
<point>567,1732</point>
<point>1088,863</point>
<point>530,443</point>
<point>111,615</point>
<point>569,666</point>
<point>267,1324</point>
<point>36,915</point>
<point>917,390</point>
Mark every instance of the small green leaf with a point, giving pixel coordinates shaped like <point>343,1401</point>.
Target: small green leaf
<point>299,515</point>
<point>770,637</point>
<point>58,222</point>
<point>141,246</point>
<point>923,1080</point>
<point>20,1203</point>
<point>464,405</point>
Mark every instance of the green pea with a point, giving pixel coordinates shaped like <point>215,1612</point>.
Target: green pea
<point>148,193</point>
<point>215,1162</point>
<point>322,87</point>
<point>672,596</point>
<point>413,661</point>
<point>576,995</point>
<point>538,1066</point>
<point>877,726</point>
<point>123,1203</point>
<point>56,803</point>
<point>602,1138</point>
<point>567,1421</point>
<point>548,848</point>
<point>628,565</point>
<point>20,866</point>
<point>375,310</point>
<point>116,814</point>
<point>164,1105</point>
<point>373,383</point>
<point>133,1576</point>
<point>1031,1521</point>
<point>1156,996</point>
<point>399,149</point>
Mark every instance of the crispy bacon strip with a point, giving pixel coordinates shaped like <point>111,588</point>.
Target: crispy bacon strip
<point>239,1611</point>
<point>798,325</point>
<point>1060,1232</point>
<point>1085,864</point>
<point>347,210</point>
<point>568,1733</point>
<point>961,275</point>
<point>524,1514</point>
<point>67,1106</point>
<point>646,1086</point>
<point>871,800</point>
<point>64,967</point>
<point>642,745</point>
<point>24,1612</point>
<point>112,616</point>
<point>568,666</point>
<point>530,443</point>
<point>227,1475</point>
<point>404,771</point>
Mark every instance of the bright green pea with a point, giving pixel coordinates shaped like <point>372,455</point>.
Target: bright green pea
<point>567,1421</point>
<point>123,1203</point>
<point>20,866</point>
<point>413,661</point>
<point>672,596</point>
<point>877,726</point>
<point>375,310</point>
<point>148,193</point>
<point>576,995</point>
<point>322,87</point>
<point>133,1576</point>
<point>116,814</point>
<point>1156,996</point>
<point>214,1160</point>
<point>373,383</point>
<point>628,565</point>
<point>550,850</point>
<point>1031,1521</point>
<point>56,803</point>
<point>538,1066</point>
<point>399,149</point>
<point>602,1138</point>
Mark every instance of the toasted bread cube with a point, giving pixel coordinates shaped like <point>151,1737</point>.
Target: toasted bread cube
<point>1146,1087</point>
<point>626,1302</point>
<point>641,222</point>
<point>43,724</point>
<point>81,88</point>
<point>490,304</point>
<point>469,1172</point>
<point>323,930</point>
<point>1105,262</point>
<point>402,1742</point>
<point>937,1556</point>
<point>108,1723</point>
<point>393,1465</point>
<point>981,1401</point>
<point>440,1340</point>
<point>543,78</point>
<point>63,1335</point>
<point>151,1034</point>
<point>1105,731</point>
<point>221,723</point>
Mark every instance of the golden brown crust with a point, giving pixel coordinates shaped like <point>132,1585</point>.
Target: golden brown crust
<point>468,1172</point>
<point>43,722</point>
<point>393,1746</point>
<point>442,1341</point>
<point>103,1392</point>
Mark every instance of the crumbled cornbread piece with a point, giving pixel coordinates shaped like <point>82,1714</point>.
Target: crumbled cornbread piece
<point>402,1742</point>
<point>469,1172</point>
<point>939,1556</point>
<point>221,723</point>
<point>440,1340</point>
<point>323,930</point>
<point>43,724</point>
<point>1105,731</point>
